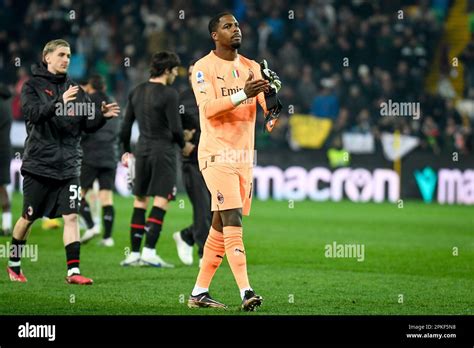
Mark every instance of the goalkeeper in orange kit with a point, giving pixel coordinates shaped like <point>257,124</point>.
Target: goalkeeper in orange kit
<point>227,87</point>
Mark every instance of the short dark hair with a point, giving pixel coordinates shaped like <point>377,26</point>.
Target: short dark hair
<point>214,22</point>
<point>84,81</point>
<point>97,82</point>
<point>161,61</point>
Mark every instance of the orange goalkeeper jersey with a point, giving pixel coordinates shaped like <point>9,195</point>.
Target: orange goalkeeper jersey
<point>227,131</point>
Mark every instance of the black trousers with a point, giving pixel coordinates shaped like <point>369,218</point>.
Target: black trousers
<point>201,200</point>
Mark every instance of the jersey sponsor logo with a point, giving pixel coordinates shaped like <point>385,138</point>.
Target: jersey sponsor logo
<point>226,92</point>
<point>220,197</point>
<point>29,211</point>
<point>229,91</point>
<point>221,78</point>
<point>199,77</point>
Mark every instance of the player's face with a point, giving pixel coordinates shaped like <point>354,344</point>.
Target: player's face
<point>58,60</point>
<point>228,32</point>
<point>172,75</point>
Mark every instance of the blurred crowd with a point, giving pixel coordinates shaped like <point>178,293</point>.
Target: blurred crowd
<point>337,59</point>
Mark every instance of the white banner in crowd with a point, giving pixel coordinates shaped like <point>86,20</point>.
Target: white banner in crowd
<point>393,151</point>
<point>18,134</point>
<point>358,143</point>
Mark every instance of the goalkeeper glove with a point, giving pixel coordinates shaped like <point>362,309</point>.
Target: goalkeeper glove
<point>272,101</point>
<point>270,76</point>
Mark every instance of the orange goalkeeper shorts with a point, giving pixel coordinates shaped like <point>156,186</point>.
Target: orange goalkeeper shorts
<point>230,187</point>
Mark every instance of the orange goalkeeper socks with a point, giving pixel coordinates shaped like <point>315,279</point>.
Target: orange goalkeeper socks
<point>212,258</point>
<point>234,248</point>
<point>217,244</point>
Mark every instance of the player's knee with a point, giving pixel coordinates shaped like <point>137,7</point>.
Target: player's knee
<point>232,217</point>
<point>106,197</point>
<point>26,223</point>
<point>140,202</point>
<point>217,222</point>
<point>70,219</point>
<point>217,227</point>
<point>141,199</point>
<point>160,202</point>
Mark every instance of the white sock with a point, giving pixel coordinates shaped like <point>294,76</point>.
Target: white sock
<point>14,263</point>
<point>242,292</point>
<point>7,220</point>
<point>135,254</point>
<point>74,270</point>
<point>198,290</point>
<point>148,253</point>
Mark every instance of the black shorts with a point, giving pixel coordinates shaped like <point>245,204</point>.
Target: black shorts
<point>106,177</point>
<point>155,175</point>
<point>49,197</point>
<point>4,170</point>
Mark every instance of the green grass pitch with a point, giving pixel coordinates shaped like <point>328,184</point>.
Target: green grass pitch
<point>408,252</point>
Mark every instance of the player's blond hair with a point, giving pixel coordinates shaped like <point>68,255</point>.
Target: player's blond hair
<point>51,46</point>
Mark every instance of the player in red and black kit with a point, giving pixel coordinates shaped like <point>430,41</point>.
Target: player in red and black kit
<point>155,107</point>
<point>56,111</point>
